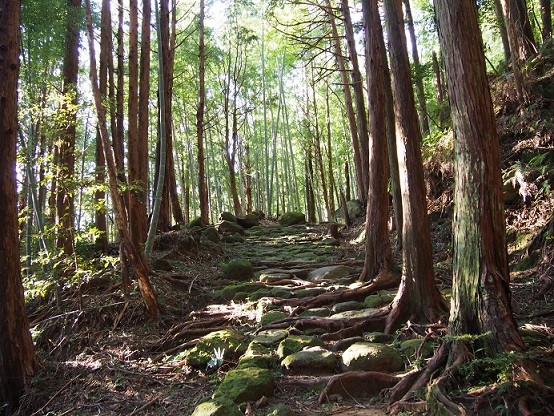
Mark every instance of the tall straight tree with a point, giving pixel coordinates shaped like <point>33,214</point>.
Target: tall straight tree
<point>347,91</point>
<point>17,357</point>
<point>481,294</point>
<point>200,110</point>
<point>66,146</point>
<point>378,256</point>
<point>135,256</point>
<point>418,297</point>
<point>418,71</point>
<point>546,19</point>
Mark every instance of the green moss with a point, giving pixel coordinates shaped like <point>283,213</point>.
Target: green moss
<point>238,269</point>
<point>296,343</point>
<point>246,384</point>
<point>232,342</point>
<point>292,218</point>
<point>229,292</point>
<point>219,407</point>
<point>272,316</point>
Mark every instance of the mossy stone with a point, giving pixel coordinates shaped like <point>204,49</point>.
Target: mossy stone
<point>196,222</point>
<point>378,300</point>
<point>292,218</point>
<point>316,312</point>
<point>229,292</point>
<point>232,342</point>
<point>211,234</point>
<point>296,343</point>
<point>368,356</point>
<point>314,360</point>
<point>378,337</point>
<point>281,410</point>
<point>347,306</point>
<point>219,407</point>
<point>257,355</point>
<point>410,347</point>
<point>272,316</point>
<point>246,384</point>
<point>239,269</point>
<point>271,337</point>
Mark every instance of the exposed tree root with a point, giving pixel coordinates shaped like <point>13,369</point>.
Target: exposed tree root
<point>357,384</point>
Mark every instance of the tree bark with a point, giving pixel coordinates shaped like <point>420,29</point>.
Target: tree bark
<point>357,84</point>
<point>418,71</point>
<point>481,295</point>
<point>135,256</point>
<point>66,168</point>
<point>502,29</point>
<point>546,19</point>
<point>350,114</point>
<point>418,297</point>
<point>18,360</point>
<point>202,186</point>
<point>378,256</point>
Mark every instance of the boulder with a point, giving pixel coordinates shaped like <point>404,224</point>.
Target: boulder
<point>362,313</point>
<point>379,299</point>
<point>229,292</point>
<point>316,312</point>
<point>232,342</point>
<point>368,356</point>
<point>355,209</point>
<point>351,305</point>
<point>245,385</point>
<point>211,234</point>
<point>229,228</point>
<point>329,273</point>
<point>248,221</point>
<point>227,216</point>
<point>312,360</point>
<point>219,407</point>
<point>292,218</point>
<point>378,337</point>
<point>196,222</point>
<point>238,269</point>
<point>272,316</point>
<point>257,355</point>
<point>296,343</point>
<point>271,337</point>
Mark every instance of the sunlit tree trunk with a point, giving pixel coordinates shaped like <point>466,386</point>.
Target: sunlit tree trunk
<point>357,84</point>
<point>378,256</point>
<point>18,360</point>
<point>202,187</point>
<point>418,71</point>
<point>310,195</point>
<point>481,294</point>
<point>502,29</point>
<point>350,114</point>
<point>546,19</point>
<point>66,167</point>
<point>418,297</point>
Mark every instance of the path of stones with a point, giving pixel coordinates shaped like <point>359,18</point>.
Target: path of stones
<point>269,351</point>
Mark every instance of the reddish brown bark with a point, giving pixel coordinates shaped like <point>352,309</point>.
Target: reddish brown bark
<point>481,295</point>
<point>18,360</point>
<point>378,256</point>
<point>418,297</point>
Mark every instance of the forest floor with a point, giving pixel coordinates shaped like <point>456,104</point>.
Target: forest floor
<point>101,355</point>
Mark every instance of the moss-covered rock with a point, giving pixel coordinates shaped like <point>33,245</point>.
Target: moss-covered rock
<point>351,305</point>
<point>219,407</point>
<point>368,356</point>
<point>227,216</point>
<point>232,238</point>
<point>308,291</point>
<point>362,313</point>
<point>238,269</point>
<point>196,222</point>
<point>316,312</point>
<point>248,221</point>
<point>281,410</point>
<point>410,347</point>
<point>329,273</point>
<point>292,218</point>
<point>379,299</point>
<point>246,384</point>
<point>272,316</point>
<point>313,360</point>
<point>271,337</point>
<point>211,234</point>
<point>257,355</point>
<point>229,227</point>
<point>232,342</point>
<point>228,292</point>
<point>296,343</point>
<point>378,337</point>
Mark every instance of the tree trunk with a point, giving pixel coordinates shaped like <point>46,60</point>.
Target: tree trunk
<point>418,71</point>
<point>481,295</point>
<point>546,19</point>
<point>66,168</point>
<point>418,297</point>
<point>350,115</point>
<point>310,196</point>
<point>135,256</point>
<point>202,187</point>
<point>502,29</point>
<point>378,256</point>
<point>100,194</point>
<point>18,360</point>
<point>119,138</point>
<point>442,100</point>
<point>361,119</point>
